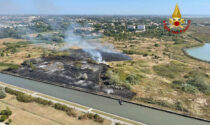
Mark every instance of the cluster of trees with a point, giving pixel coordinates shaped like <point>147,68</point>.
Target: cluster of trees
<point>22,97</point>
<point>9,32</point>
<point>56,37</point>
<point>114,79</point>
<point>66,109</point>
<point>41,25</point>
<point>91,116</point>
<point>196,81</point>
<point>2,93</point>
<point>12,47</point>
<point>5,115</point>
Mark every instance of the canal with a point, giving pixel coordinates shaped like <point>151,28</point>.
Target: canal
<point>127,110</point>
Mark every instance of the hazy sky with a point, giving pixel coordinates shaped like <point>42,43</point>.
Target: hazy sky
<point>109,7</point>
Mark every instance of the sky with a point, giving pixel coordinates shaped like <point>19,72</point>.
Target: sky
<point>104,7</point>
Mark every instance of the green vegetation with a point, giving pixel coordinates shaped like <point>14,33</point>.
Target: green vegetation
<point>5,66</point>
<point>22,97</point>
<point>172,70</point>
<point>199,80</point>
<point>91,116</point>
<point>9,32</point>
<point>5,115</point>
<point>177,106</point>
<point>2,93</point>
<point>12,47</point>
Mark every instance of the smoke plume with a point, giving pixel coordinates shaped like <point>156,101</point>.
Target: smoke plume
<point>92,47</point>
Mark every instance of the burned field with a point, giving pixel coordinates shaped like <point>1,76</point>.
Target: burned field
<point>75,70</point>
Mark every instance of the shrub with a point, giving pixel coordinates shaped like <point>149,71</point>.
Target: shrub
<point>132,79</point>
<point>97,118</point>
<point>156,45</point>
<point>2,93</point>
<point>78,65</point>
<point>3,118</point>
<point>61,107</point>
<point>12,92</point>
<point>42,101</point>
<point>201,82</point>
<point>113,77</point>
<point>71,113</point>
<point>178,82</point>
<point>6,112</point>
<point>180,107</point>
<point>189,88</point>
<point>91,61</point>
<point>130,52</point>
<point>24,98</point>
<point>10,120</point>
<point>82,117</point>
<point>171,70</point>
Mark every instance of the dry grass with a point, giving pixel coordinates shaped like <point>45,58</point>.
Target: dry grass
<point>156,86</point>
<point>36,114</point>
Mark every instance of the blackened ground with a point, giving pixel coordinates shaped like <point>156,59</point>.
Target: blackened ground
<point>74,70</point>
<point>106,56</point>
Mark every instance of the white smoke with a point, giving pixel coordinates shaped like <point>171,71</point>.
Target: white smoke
<point>92,47</point>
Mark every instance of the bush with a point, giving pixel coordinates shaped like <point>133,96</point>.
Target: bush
<point>178,82</point>
<point>172,70</point>
<point>71,113</point>
<point>42,101</point>
<point>2,93</point>
<point>83,117</point>
<point>6,112</point>
<point>131,52</point>
<point>12,92</point>
<point>24,98</point>
<point>3,118</point>
<point>132,79</point>
<point>201,82</point>
<point>61,107</point>
<point>189,89</point>
<point>97,118</point>
<point>91,116</point>
<point>113,77</point>
<point>180,107</point>
<point>10,120</point>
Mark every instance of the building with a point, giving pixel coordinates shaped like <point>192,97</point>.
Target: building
<point>141,27</point>
<point>131,27</point>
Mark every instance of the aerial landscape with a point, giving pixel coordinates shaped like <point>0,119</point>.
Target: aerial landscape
<point>103,69</point>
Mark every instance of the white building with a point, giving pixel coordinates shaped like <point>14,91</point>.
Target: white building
<point>131,27</point>
<point>141,27</point>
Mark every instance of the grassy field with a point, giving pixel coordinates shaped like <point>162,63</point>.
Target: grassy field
<point>36,114</point>
<point>162,75</point>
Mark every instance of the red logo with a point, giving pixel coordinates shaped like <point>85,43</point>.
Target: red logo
<point>177,24</point>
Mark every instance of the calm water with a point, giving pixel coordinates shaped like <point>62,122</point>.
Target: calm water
<point>127,110</point>
<point>202,52</point>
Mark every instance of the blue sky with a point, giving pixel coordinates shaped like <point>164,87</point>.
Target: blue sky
<point>107,7</point>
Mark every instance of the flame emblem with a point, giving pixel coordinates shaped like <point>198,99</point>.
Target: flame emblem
<point>176,22</point>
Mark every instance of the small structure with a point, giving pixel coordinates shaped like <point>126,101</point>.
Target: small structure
<point>141,28</point>
<point>131,27</point>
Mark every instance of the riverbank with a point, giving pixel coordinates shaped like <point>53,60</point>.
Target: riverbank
<point>111,97</point>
